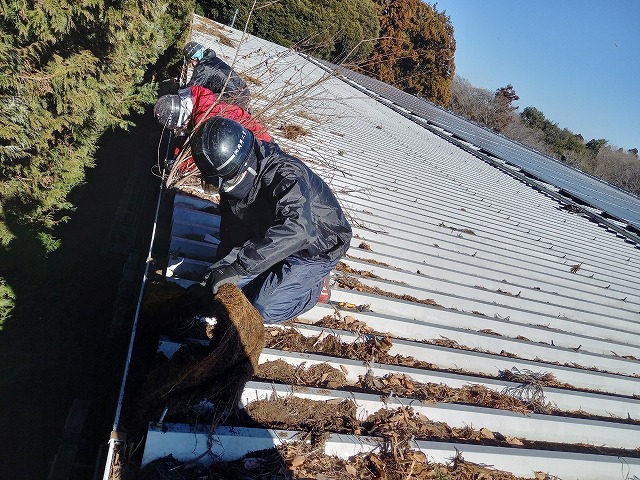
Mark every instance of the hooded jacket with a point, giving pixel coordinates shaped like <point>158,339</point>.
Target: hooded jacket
<point>204,98</point>
<point>211,72</point>
<point>288,211</point>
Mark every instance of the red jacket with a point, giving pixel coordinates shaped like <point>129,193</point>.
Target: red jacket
<point>203,98</point>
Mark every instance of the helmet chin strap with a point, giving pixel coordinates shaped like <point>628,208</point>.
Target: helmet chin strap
<point>243,180</point>
<point>228,185</point>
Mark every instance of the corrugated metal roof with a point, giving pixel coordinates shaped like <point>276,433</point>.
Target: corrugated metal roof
<point>575,183</point>
<point>465,268</point>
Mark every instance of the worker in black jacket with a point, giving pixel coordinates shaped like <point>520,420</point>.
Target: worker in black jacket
<point>282,229</point>
<point>211,72</point>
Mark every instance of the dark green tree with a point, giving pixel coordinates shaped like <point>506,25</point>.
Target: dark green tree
<point>533,118</point>
<point>69,69</point>
<point>563,142</point>
<point>329,29</point>
<point>594,145</point>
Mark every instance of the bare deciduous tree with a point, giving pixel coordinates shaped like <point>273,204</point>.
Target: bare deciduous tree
<point>493,109</point>
<point>619,168</point>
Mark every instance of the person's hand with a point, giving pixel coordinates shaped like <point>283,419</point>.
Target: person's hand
<point>222,275</point>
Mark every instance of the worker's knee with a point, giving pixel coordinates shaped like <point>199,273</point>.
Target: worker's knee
<point>289,289</point>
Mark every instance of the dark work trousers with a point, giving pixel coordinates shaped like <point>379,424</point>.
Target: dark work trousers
<point>287,289</point>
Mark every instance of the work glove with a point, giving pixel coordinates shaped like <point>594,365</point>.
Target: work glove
<point>225,274</point>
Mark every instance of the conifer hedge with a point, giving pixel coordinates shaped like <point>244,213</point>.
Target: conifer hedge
<point>69,69</point>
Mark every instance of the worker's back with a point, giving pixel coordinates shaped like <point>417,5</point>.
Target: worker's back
<point>212,72</point>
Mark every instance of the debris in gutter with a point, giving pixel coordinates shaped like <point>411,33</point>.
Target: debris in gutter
<point>343,267</point>
<point>348,323</point>
<point>352,306</point>
<point>530,391</point>
<point>628,357</point>
<point>323,375</point>
<point>368,348</point>
<point>250,79</point>
<point>354,284</point>
<point>403,385</point>
<point>215,30</point>
<point>304,458</point>
<point>490,332</point>
<point>504,292</point>
<point>295,413</point>
<point>369,260</point>
<point>318,375</point>
<point>215,372</point>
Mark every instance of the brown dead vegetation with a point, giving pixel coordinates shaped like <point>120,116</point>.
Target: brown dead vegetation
<point>323,375</point>
<point>530,391</point>
<point>250,79</point>
<point>365,246</point>
<point>217,371</point>
<point>403,385</point>
<point>318,375</point>
<point>399,427</point>
<point>351,283</point>
<point>302,459</point>
<point>308,116</point>
<point>215,30</point>
<point>395,459</point>
<point>344,268</point>
<point>369,260</point>
<point>455,229</point>
<point>292,131</point>
<point>348,323</point>
<point>294,413</point>
<point>367,348</point>
<point>448,343</point>
<point>373,346</point>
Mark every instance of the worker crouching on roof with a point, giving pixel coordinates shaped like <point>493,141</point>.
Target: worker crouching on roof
<point>280,222</point>
<point>211,72</point>
<point>192,105</point>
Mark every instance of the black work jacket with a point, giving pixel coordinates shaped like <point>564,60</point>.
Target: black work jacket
<point>289,211</point>
<point>211,72</point>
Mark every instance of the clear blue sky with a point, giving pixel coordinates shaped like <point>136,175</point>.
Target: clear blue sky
<point>577,61</point>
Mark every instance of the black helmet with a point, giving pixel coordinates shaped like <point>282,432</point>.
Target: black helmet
<point>167,110</point>
<point>191,50</point>
<point>221,148</point>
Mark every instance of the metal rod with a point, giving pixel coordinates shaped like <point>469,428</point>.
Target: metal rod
<point>235,14</point>
<point>127,366</point>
